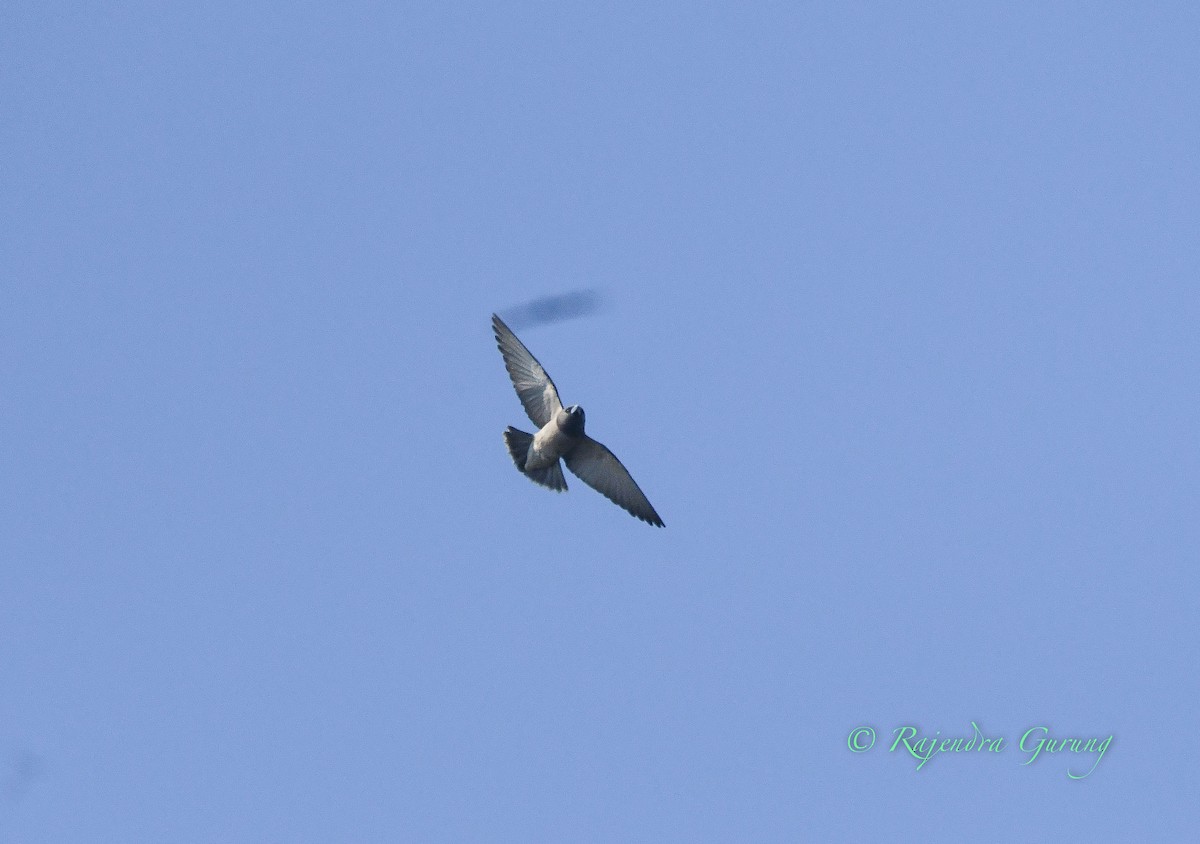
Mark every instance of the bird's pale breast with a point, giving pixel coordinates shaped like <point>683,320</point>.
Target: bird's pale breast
<point>549,444</point>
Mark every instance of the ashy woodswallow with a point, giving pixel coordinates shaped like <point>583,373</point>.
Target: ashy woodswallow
<point>561,435</point>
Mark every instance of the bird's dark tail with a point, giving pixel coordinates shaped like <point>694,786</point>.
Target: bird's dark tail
<point>518,443</point>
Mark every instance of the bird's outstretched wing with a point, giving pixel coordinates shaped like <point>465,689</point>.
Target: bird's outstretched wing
<point>534,387</point>
<point>600,469</point>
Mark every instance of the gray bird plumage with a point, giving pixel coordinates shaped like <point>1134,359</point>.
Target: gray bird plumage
<point>561,436</point>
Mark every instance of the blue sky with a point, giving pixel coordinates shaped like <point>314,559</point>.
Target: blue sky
<point>899,336</point>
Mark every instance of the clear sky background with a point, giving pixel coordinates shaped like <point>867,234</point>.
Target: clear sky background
<point>900,336</point>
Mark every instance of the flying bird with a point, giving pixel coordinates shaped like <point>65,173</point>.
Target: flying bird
<point>576,303</point>
<point>560,436</point>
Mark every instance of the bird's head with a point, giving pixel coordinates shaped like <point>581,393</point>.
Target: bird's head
<point>571,419</point>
